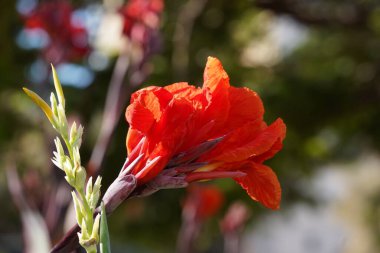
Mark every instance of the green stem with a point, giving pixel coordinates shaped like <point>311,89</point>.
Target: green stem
<point>91,249</point>
<point>69,148</point>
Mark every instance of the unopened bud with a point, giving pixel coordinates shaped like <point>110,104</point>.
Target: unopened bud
<point>79,136</point>
<point>76,156</point>
<point>68,168</point>
<point>80,177</point>
<point>89,187</point>
<point>59,147</point>
<point>62,121</point>
<point>95,194</point>
<point>78,208</point>
<point>73,133</point>
<point>95,229</point>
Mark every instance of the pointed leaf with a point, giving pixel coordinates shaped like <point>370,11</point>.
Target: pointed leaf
<point>41,103</point>
<point>105,246</point>
<point>58,87</point>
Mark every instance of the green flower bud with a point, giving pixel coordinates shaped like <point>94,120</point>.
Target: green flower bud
<point>96,192</point>
<point>76,135</point>
<point>80,178</point>
<point>76,156</point>
<point>89,188</point>
<point>62,122</point>
<point>78,141</point>
<point>78,208</point>
<point>95,229</point>
<point>73,133</point>
<point>70,176</point>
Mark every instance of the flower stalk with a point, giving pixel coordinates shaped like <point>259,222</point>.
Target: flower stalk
<point>85,196</point>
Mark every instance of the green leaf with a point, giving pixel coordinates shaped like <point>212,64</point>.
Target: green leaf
<point>58,87</point>
<point>105,246</point>
<point>41,103</point>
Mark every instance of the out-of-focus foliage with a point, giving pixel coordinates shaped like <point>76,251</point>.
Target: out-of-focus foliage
<point>316,64</point>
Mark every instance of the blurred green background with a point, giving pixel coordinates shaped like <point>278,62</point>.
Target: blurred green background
<point>316,64</point>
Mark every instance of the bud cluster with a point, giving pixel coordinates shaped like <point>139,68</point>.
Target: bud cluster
<point>85,196</point>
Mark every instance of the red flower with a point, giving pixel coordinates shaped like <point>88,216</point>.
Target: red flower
<point>171,125</point>
<point>67,41</point>
<point>202,202</point>
<point>141,19</point>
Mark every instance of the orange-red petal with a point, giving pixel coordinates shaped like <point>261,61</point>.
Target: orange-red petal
<point>139,117</point>
<point>245,106</point>
<point>133,138</point>
<point>261,184</point>
<point>146,108</point>
<point>261,143</point>
<point>214,75</point>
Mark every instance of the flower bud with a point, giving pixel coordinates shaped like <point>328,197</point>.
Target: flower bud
<point>78,208</point>
<point>95,229</point>
<point>76,156</point>
<point>89,188</point>
<point>73,133</point>
<point>68,168</point>
<point>80,177</point>
<point>62,121</point>
<point>96,192</point>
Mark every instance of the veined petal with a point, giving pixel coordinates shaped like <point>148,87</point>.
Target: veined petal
<point>235,140</point>
<point>172,128</point>
<point>183,89</point>
<point>214,75</point>
<point>260,144</point>
<point>277,146</point>
<point>191,93</point>
<point>146,108</point>
<point>261,184</point>
<point>245,106</point>
<point>139,117</point>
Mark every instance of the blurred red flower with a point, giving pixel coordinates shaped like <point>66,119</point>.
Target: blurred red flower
<point>169,127</point>
<point>67,40</point>
<point>202,202</point>
<point>141,18</point>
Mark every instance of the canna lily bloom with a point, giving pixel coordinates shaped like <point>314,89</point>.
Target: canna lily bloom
<point>67,40</point>
<point>216,131</point>
<point>141,19</point>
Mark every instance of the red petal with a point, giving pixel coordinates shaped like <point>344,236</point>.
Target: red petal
<point>215,92</point>
<point>238,149</point>
<point>133,138</point>
<point>245,106</point>
<point>139,117</point>
<point>261,184</point>
<point>214,75</point>
<point>172,128</point>
<point>167,136</point>
<point>183,89</point>
<point>277,146</point>
<point>146,107</point>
